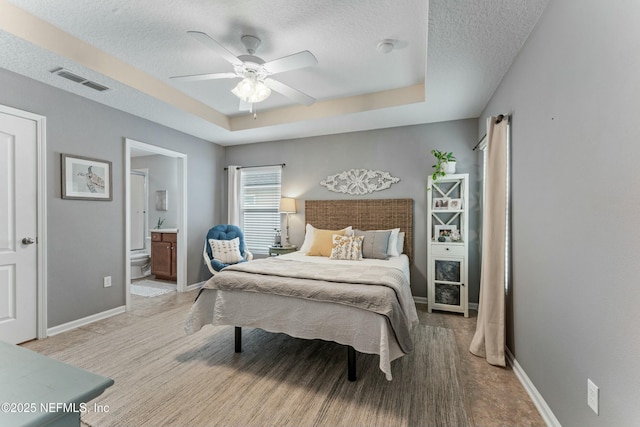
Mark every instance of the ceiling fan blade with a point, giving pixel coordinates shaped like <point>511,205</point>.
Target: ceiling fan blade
<point>198,77</point>
<point>292,62</point>
<point>214,45</point>
<point>289,92</point>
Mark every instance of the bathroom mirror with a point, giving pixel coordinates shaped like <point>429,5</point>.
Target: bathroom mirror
<point>161,200</point>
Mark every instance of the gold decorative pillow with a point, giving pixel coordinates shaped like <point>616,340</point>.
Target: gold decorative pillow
<point>347,247</point>
<point>308,236</point>
<point>322,242</point>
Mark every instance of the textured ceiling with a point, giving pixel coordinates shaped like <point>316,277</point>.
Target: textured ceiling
<point>449,58</point>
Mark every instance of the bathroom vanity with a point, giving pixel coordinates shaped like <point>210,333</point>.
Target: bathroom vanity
<point>164,252</point>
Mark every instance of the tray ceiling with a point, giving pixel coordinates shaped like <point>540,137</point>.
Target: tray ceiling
<point>448,58</point>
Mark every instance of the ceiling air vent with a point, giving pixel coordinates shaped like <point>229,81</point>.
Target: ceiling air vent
<point>96,86</point>
<point>66,74</point>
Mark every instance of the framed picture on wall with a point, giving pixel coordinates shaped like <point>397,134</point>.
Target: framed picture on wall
<point>84,178</point>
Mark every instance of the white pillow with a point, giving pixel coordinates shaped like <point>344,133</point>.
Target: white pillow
<point>308,237</point>
<point>226,251</point>
<point>400,246</point>
<point>392,247</point>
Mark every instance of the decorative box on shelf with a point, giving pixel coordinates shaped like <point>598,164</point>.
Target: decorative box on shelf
<point>448,245</point>
<point>281,250</point>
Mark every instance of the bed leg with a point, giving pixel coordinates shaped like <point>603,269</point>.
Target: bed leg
<point>238,333</point>
<point>351,363</point>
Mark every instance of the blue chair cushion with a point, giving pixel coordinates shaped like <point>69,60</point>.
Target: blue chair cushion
<point>217,265</point>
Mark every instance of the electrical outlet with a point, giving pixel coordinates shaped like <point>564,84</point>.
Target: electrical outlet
<point>106,282</point>
<point>592,395</point>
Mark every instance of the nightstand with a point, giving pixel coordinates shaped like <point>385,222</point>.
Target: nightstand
<point>281,250</point>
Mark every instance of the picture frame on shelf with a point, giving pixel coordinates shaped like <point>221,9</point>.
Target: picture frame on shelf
<point>440,203</point>
<point>455,204</point>
<point>442,233</point>
<point>85,178</point>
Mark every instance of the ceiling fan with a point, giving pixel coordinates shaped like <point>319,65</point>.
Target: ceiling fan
<point>256,85</point>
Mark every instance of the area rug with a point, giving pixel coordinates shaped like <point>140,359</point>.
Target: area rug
<point>151,288</point>
<point>164,378</point>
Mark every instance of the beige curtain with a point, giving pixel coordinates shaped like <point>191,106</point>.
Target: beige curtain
<point>489,338</point>
<point>234,190</point>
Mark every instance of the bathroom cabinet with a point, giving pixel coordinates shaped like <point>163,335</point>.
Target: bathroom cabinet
<point>163,255</point>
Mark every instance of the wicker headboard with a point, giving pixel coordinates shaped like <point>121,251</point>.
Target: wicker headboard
<point>364,214</point>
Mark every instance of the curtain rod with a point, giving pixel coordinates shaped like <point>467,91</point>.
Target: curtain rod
<point>259,166</point>
<point>500,118</point>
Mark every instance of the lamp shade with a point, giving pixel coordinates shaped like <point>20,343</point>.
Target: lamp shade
<point>287,205</point>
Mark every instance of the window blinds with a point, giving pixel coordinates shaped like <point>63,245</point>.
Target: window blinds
<point>261,191</point>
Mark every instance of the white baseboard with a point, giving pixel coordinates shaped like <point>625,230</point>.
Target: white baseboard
<point>546,413</point>
<point>423,300</point>
<point>195,286</point>
<point>420,300</point>
<point>85,321</point>
<point>99,316</point>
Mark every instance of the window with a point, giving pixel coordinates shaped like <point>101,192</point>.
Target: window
<point>260,200</point>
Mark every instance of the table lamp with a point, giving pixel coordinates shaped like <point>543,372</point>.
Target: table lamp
<point>287,206</point>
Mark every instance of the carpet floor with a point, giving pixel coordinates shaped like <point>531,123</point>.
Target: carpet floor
<point>165,378</point>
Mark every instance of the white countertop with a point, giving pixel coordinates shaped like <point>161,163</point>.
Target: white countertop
<point>164,230</point>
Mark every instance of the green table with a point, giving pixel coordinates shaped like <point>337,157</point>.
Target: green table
<point>36,390</point>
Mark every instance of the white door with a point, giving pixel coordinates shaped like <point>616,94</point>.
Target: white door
<point>138,210</point>
<point>18,227</point>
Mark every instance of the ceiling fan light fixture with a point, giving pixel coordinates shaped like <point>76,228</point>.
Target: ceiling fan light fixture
<point>251,89</point>
<point>255,85</point>
<point>260,93</point>
<point>245,88</point>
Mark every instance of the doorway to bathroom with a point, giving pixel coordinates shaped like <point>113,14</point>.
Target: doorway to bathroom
<point>156,182</point>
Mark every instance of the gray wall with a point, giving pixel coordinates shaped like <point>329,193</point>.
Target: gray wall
<point>402,151</point>
<point>163,175</point>
<point>574,93</point>
<point>85,239</point>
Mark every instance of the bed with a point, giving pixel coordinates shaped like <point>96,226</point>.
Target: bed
<point>298,298</point>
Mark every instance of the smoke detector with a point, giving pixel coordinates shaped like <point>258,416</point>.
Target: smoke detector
<point>385,46</point>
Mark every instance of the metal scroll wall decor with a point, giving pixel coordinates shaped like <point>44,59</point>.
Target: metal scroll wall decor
<point>359,181</point>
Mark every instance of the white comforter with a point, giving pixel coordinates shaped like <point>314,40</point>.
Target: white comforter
<point>365,331</point>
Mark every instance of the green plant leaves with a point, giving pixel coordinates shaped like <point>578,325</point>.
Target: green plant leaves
<point>442,157</point>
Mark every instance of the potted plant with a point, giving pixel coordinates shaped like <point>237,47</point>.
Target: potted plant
<point>445,164</point>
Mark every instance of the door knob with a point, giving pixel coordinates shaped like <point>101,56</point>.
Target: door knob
<point>28,241</point>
